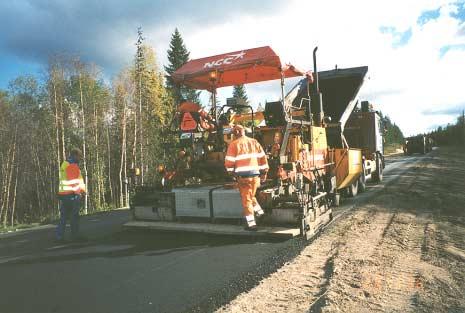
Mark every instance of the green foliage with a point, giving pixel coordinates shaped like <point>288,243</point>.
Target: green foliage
<point>16,227</point>
<point>240,93</point>
<point>24,132</point>
<point>452,134</point>
<point>178,55</point>
<point>120,126</point>
<point>393,135</point>
<point>3,96</point>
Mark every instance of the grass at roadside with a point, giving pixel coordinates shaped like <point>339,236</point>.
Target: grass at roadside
<point>392,149</point>
<point>9,229</point>
<point>48,220</point>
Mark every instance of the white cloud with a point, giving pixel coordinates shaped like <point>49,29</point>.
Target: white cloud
<point>405,80</point>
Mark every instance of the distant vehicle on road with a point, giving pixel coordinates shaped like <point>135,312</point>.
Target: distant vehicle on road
<point>418,144</point>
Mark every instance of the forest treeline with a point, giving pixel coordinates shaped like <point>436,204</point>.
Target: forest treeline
<point>452,134</point>
<point>118,126</point>
<point>392,135</point>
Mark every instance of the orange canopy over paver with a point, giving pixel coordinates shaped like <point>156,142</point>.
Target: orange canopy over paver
<point>235,68</point>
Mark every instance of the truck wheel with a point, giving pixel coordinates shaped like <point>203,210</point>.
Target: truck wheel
<point>378,174</point>
<point>362,180</point>
<point>353,189</point>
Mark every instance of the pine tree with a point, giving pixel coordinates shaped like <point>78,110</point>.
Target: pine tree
<point>178,55</point>
<point>139,72</point>
<point>240,93</point>
<point>393,133</point>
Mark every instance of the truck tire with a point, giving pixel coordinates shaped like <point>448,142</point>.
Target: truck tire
<point>352,190</point>
<point>378,173</point>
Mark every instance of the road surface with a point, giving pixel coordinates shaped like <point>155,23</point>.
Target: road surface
<point>140,271</point>
<point>401,251</point>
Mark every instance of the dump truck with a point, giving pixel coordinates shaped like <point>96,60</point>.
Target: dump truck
<point>306,172</point>
<point>352,123</point>
<point>417,144</point>
<point>364,130</point>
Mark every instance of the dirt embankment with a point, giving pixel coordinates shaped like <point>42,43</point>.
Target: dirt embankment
<point>404,251</point>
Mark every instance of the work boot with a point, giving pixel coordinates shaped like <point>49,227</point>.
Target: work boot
<point>250,223</point>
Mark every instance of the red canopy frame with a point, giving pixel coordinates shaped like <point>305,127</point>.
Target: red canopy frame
<point>235,68</point>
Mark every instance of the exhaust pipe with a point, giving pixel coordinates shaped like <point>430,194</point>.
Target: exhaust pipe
<point>317,98</point>
<point>316,85</point>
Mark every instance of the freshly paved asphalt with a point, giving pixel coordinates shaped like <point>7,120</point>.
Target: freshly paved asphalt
<point>136,271</point>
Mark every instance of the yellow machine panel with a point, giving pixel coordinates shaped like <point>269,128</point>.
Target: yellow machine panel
<point>295,144</point>
<point>319,138</point>
<point>348,166</point>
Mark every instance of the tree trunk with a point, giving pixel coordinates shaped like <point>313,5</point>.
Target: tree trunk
<point>57,125</point>
<point>5,171</point>
<point>62,120</point>
<point>122,168</point>
<point>10,178</point>
<point>141,132</point>
<point>5,186</point>
<point>97,160</point>
<point>109,165</point>
<point>13,208</point>
<point>57,133</point>
<point>134,147</point>
<point>84,146</point>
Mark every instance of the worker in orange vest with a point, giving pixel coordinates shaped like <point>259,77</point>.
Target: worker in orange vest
<point>70,190</point>
<point>246,160</point>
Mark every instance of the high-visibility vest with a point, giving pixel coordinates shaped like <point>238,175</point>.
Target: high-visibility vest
<point>245,157</point>
<point>71,181</point>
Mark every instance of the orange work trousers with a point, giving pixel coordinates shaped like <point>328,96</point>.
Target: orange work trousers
<point>247,188</point>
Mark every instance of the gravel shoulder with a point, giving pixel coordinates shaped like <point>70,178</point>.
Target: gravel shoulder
<point>401,251</point>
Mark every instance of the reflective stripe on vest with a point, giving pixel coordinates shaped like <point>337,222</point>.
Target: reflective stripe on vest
<point>245,156</point>
<point>71,181</point>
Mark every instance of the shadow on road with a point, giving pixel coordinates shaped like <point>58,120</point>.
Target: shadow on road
<point>132,243</point>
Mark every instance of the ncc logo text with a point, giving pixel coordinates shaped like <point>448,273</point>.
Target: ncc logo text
<point>227,60</point>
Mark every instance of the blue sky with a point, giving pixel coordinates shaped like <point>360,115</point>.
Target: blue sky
<point>400,38</point>
<point>426,16</point>
<point>102,32</point>
<point>414,49</point>
<point>13,66</point>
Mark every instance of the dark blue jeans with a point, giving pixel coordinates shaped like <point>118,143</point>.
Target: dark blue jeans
<point>69,207</point>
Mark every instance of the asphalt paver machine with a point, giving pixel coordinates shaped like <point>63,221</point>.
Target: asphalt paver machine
<point>305,172</point>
